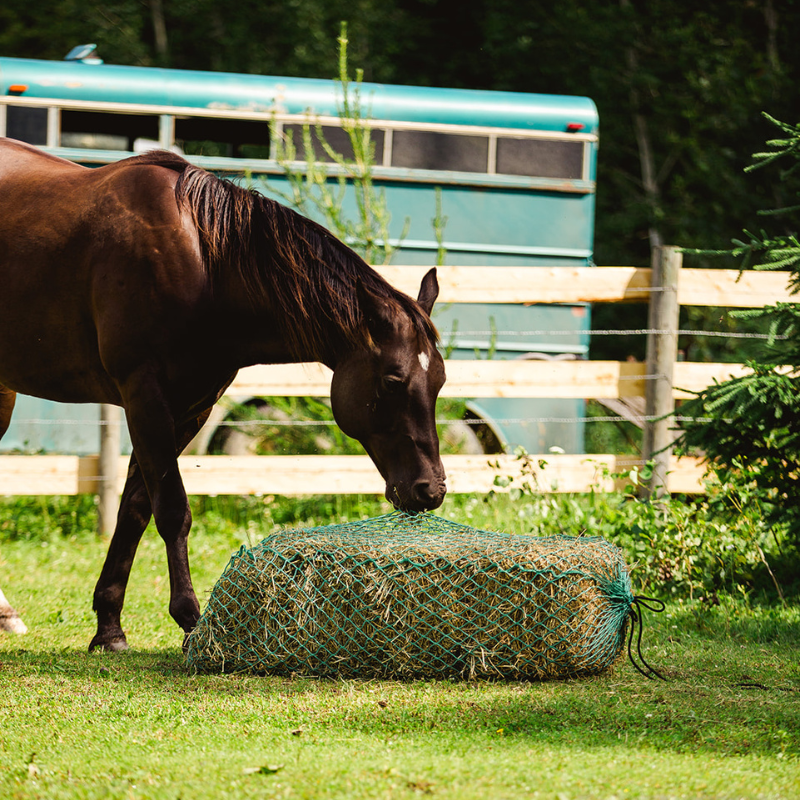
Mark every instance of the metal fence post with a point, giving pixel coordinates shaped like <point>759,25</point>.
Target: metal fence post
<point>108,468</point>
<point>662,352</point>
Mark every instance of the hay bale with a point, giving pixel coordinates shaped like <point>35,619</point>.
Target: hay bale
<point>403,596</point>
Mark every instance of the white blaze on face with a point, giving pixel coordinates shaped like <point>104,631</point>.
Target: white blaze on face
<point>424,361</point>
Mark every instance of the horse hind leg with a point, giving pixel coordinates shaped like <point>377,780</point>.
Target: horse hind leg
<point>9,619</point>
<point>7,399</point>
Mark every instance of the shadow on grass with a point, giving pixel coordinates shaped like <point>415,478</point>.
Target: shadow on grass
<point>733,689</point>
<point>167,663</point>
<point>704,708</point>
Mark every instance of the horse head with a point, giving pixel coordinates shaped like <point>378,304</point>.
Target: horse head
<point>384,394</point>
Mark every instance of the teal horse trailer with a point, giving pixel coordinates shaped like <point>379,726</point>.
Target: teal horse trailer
<point>513,174</point>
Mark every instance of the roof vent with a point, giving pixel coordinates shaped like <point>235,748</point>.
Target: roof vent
<point>83,53</point>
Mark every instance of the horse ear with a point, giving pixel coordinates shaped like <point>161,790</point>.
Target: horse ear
<point>376,311</point>
<point>428,291</point>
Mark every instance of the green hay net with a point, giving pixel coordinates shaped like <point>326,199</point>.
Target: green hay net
<point>402,596</point>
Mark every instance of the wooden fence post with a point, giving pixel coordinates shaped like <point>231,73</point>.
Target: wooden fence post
<point>108,468</point>
<point>662,352</point>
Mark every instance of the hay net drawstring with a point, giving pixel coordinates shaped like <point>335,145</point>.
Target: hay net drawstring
<point>402,596</point>
<point>637,622</point>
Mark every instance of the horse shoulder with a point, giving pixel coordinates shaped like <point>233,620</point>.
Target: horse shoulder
<point>148,220</point>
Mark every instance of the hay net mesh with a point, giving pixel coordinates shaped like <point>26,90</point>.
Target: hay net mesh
<point>403,596</point>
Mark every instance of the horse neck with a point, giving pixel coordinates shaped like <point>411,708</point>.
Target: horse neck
<point>274,326</point>
<point>292,282</point>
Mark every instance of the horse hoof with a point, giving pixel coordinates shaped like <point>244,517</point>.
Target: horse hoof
<point>13,624</point>
<point>115,645</point>
<point>9,619</point>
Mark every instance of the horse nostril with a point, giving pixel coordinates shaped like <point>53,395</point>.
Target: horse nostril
<point>420,496</point>
<point>422,490</point>
<point>428,495</point>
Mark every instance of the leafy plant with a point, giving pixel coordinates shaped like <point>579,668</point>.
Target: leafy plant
<point>311,190</point>
<point>328,176</point>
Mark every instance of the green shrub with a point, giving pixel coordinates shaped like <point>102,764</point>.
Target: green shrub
<point>749,428</point>
<point>679,546</point>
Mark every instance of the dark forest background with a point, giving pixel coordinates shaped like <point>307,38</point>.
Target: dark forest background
<point>680,88</point>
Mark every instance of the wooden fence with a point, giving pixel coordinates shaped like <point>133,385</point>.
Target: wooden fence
<point>665,286</point>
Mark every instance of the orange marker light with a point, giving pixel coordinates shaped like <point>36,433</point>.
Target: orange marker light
<point>17,88</point>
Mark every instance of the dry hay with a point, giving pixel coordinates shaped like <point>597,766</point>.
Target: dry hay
<point>406,596</point>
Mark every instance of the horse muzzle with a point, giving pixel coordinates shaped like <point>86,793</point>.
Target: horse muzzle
<point>420,496</point>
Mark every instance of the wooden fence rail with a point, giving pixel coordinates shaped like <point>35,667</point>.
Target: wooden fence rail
<point>329,474</point>
<point>534,379</point>
<point>293,475</point>
<point>727,288</point>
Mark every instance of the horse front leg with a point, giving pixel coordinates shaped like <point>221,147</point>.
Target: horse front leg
<point>183,606</point>
<point>173,520</point>
<point>109,594</point>
<point>154,487</point>
<point>135,512</point>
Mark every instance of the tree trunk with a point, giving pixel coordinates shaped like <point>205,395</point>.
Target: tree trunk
<point>160,30</point>
<point>650,185</point>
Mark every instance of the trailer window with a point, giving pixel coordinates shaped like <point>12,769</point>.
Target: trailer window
<point>231,138</point>
<point>440,151</point>
<point>27,124</point>
<point>540,158</point>
<point>335,137</point>
<point>106,131</point>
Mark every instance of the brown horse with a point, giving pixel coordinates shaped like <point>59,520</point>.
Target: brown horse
<point>149,283</point>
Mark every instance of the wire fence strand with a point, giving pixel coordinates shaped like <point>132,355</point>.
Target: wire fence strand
<point>626,332</point>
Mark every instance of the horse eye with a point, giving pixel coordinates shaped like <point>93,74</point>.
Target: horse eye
<point>391,383</point>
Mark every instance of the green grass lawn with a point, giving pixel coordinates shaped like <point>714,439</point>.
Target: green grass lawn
<point>139,725</point>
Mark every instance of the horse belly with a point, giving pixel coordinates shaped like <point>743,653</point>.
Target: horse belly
<point>48,346</point>
<point>54,373</point>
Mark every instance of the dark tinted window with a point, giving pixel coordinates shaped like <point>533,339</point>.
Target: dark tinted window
<point>26,124</point>
<point>540,158</point>
<point>337,139</point>
<point>96,129</point>
<point>446,151</point>
<point>235,138</point>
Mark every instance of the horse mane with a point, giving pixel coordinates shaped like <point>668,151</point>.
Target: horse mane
<point>286,262</point>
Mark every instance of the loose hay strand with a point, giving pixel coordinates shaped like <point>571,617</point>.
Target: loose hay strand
<point>402,596</point>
